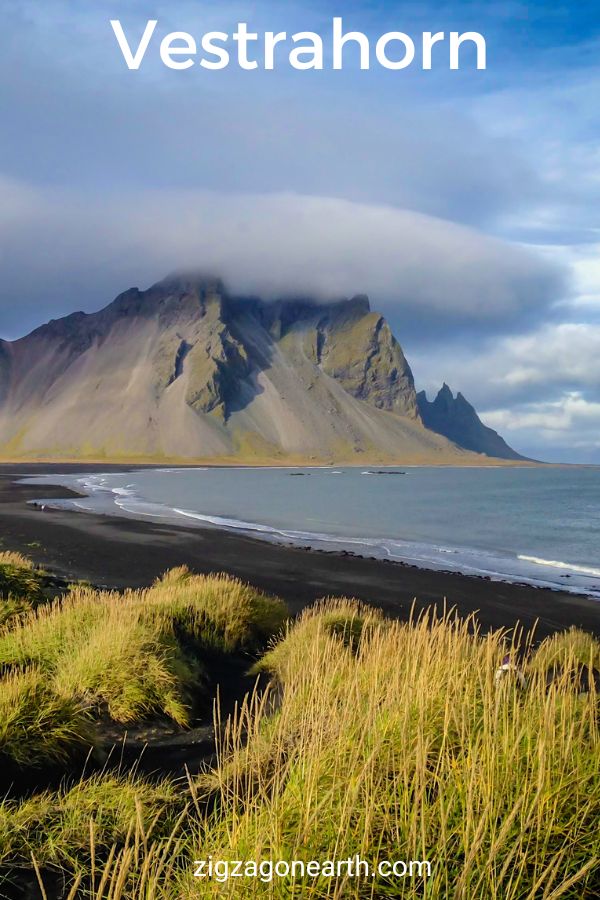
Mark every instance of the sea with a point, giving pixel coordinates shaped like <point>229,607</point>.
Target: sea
<point>539,525</point>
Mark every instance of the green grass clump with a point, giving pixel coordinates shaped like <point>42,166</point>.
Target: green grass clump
<point>129,656</point>
<point>21,586</point>
<point>401,745</point>
<point>16,560</point>
<point>567,650</point>
<point>76,831</point>
<point>346,620</point>
<point>37,725</point>
<point>380,739</point>
<point>216,610</point>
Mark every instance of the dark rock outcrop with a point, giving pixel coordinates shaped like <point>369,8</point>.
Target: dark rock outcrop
<point>456,419</point>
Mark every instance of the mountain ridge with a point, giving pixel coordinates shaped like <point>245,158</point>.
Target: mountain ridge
<point>457,419</point>
<point>185,370</point>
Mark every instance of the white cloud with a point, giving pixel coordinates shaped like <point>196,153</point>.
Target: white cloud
<point>271,244</point>
<point>566,429</point>
<point>516,368</point>
<point>540,390</point>
<point>559,354</point>
<point>572,412</point>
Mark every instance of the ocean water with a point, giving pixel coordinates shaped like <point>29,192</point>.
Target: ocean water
<point>538,525</point>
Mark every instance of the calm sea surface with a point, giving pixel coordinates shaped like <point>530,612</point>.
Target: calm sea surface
<point>524,524</point>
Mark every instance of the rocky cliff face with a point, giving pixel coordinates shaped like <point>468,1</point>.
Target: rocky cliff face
<point>456,419</point>
<point>184,370</point>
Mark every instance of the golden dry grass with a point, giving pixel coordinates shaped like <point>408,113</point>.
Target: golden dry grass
<point>131,655</point>
<point>394,741</point>
<point>11,558</point>
<point>390,741</point>
<point>21,586</point>
<point>377,738</point>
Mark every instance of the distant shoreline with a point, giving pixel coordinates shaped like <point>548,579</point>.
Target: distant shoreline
<point>119,552</point>
<point>293,462</point>
<point>223,462</point>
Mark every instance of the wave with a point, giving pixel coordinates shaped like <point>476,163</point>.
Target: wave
<point>466,560</point>
<point>481,564</point>
<point>558,564</point>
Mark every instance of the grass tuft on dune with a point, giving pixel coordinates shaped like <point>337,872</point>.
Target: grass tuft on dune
<point>21,586</point>
<point>16,560</point>
<point>130,656</point>
<point>74,827</point>
<point>389,740</point>
<point>400,744</point>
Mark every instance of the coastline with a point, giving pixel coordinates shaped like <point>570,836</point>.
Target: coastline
<point>118,552</point>
<point>470,461</point>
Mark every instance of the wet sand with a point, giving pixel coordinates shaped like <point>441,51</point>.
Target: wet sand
<point>118,552</point>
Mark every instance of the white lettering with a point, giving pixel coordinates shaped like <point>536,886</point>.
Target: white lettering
<point>134,62</point>
<point>314,52</point>
<point>209,46</point>
<point>168,51</point>
<point>271,41</point>
<point>409,50</point>
<point>457,39</point>
<point>340,39</point>
<point>243,37</point>
<point>429,40</point>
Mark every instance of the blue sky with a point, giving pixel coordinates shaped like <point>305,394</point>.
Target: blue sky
<point>464,203</point>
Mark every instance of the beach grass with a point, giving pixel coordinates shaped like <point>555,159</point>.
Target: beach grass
<point>396,741</point>
<point>375,739</point>
<point>64,837</point>
<point>16,560</point>
<point>127,656</point>
<point>21,586</point>
<point>379,739</point>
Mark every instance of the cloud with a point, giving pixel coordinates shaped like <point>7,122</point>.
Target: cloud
<point>540,390</point>
<point>570,412</point>
<point>566,429</point>
<point>562,355</point>
<point>514,369</point>
<point>66,249</point>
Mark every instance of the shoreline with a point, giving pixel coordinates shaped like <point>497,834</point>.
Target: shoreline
<point>301,540</point>
<point>291,462</point>
<point>224,462</point>
<point>118,552</point>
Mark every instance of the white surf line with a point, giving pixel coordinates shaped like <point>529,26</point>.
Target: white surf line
<point>558,564</point>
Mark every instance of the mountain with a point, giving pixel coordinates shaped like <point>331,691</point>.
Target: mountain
<point>184,370</point>
<point>456,419</point>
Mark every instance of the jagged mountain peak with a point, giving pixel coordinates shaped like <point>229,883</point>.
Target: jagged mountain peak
<point>456,418</point>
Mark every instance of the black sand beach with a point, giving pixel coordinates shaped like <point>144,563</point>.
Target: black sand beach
<point>118,552</point>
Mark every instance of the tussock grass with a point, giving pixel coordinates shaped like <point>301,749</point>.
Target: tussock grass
<point>17,560</point>
<point>568,649</point>
<point>217,609</point>
<point>21,586</point>
<point>76,831</point>
<point>400,745</point>
<point>131,656</point>
<point>386,740</point>
<point>36,724</point>
<point>12,609</point>
<point>347,620</point>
